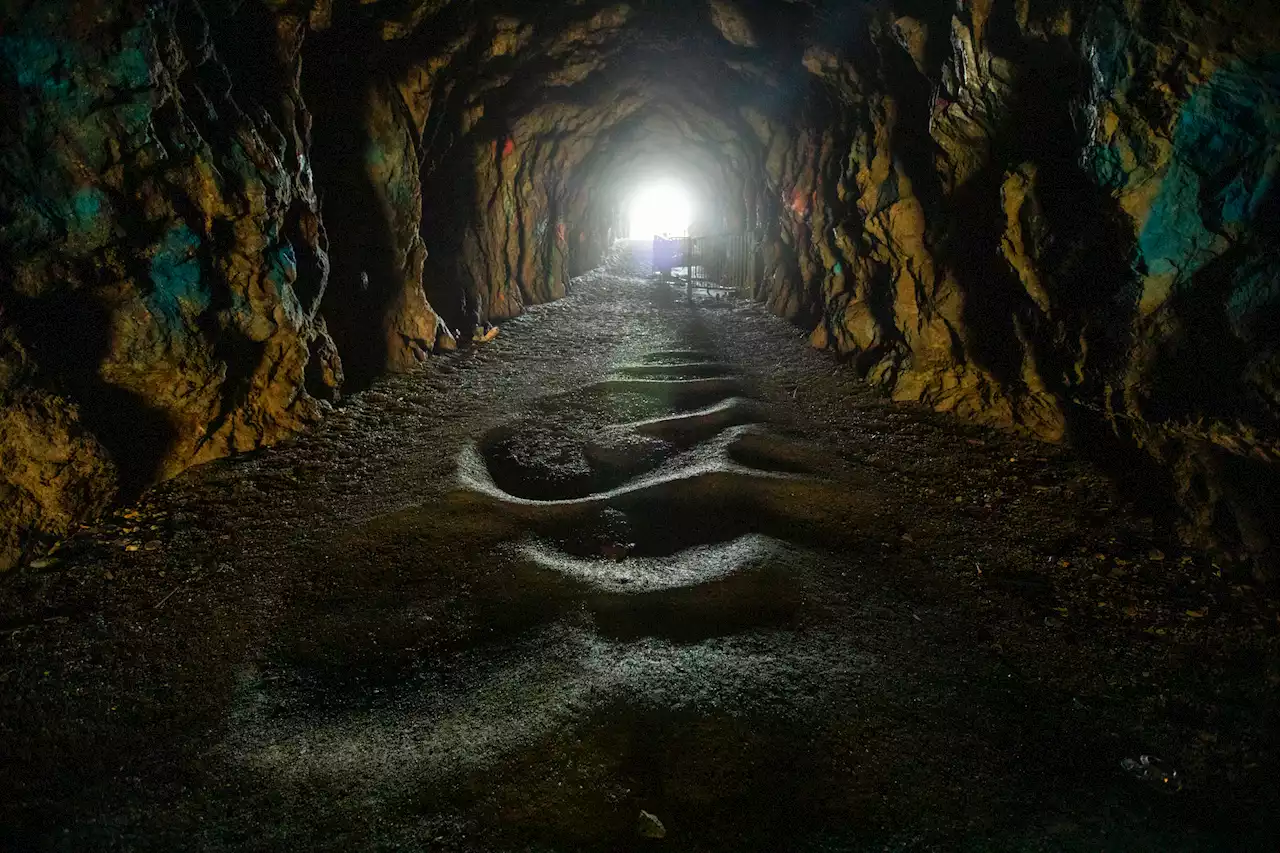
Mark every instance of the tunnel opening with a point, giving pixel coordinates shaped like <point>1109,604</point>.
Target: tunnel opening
<point>660,209</point>
<point>959,393</point>
<point>401,177</point>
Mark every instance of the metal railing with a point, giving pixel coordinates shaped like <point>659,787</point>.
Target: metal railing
<point>719,261</point>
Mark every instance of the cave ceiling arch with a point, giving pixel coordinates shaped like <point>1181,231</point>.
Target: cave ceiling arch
<point>526,69</point>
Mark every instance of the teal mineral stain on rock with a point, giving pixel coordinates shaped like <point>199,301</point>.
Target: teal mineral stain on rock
<point>131,67</point>
<point>78,93</point>
<point>32,61</point>
<point>1108,166</point>
<point>52,66</point>
<point>87,203</point>
<point>401,192</point>
<point>88,220</point>
<point>241,308</point>
<point>392,175</point>
<point>1223,168</point>
<point>175,277</point>
<point>86,206</point>
<point>282,265</point>
<point>1174,238</point>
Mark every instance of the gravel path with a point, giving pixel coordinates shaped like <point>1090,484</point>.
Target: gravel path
<point>640,553</point>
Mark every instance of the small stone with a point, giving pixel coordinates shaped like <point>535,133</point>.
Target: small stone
<point>44,563</point>
<point>153,545</point>
<point>132,546</point>
<point>615,551</point>
<point>648,826</point>
<point>1155,554</point>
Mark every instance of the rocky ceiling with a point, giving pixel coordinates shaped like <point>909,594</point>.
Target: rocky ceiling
<point>1052,215</point>
<point>568,103</point>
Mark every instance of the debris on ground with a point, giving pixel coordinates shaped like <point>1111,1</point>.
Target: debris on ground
<point>648,826</point>
<point>1148,768</point>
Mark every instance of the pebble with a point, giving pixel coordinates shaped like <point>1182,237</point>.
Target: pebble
<point>648,826</point>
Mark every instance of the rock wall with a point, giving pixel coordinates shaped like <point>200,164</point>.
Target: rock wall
<point>1046,214</point>
<point>1057,216</point>
<point>164,256</point>
<point>195,195</point>
<point>514,246</point>
<point>367,156</point>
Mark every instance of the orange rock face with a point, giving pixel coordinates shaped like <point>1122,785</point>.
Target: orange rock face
<point>1049,216</point>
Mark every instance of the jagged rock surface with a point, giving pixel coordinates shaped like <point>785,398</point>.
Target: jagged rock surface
<point>1047,214</point>
<point>1052,215</point>
<point>164,258</point>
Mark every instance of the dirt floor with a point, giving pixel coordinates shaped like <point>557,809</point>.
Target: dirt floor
<point>638,553</point>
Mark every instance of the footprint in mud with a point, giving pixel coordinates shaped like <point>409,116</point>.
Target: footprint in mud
<point>665,497</point>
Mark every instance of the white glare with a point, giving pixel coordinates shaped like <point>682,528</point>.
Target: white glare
<point>660,209</point>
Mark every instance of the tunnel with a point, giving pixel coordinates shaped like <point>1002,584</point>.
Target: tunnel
<point>702,425</point>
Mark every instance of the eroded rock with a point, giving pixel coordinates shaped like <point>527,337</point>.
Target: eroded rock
<point>1050,216</point>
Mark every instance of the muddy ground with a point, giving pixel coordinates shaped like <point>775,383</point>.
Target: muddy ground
<point>638,553</point>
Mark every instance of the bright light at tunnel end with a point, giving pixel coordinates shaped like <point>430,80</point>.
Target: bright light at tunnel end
<point>661,208</point>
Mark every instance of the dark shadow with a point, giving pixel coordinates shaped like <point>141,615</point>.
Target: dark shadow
<point>1202,370</point>
<point>363,279</point>
<point>994,302</point>
<point>70,334</point>
<point>1083,345</point>
<point>449,196</point>
<point>246,39</point>
<point>1085,262</point>
<point>880,297</point>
